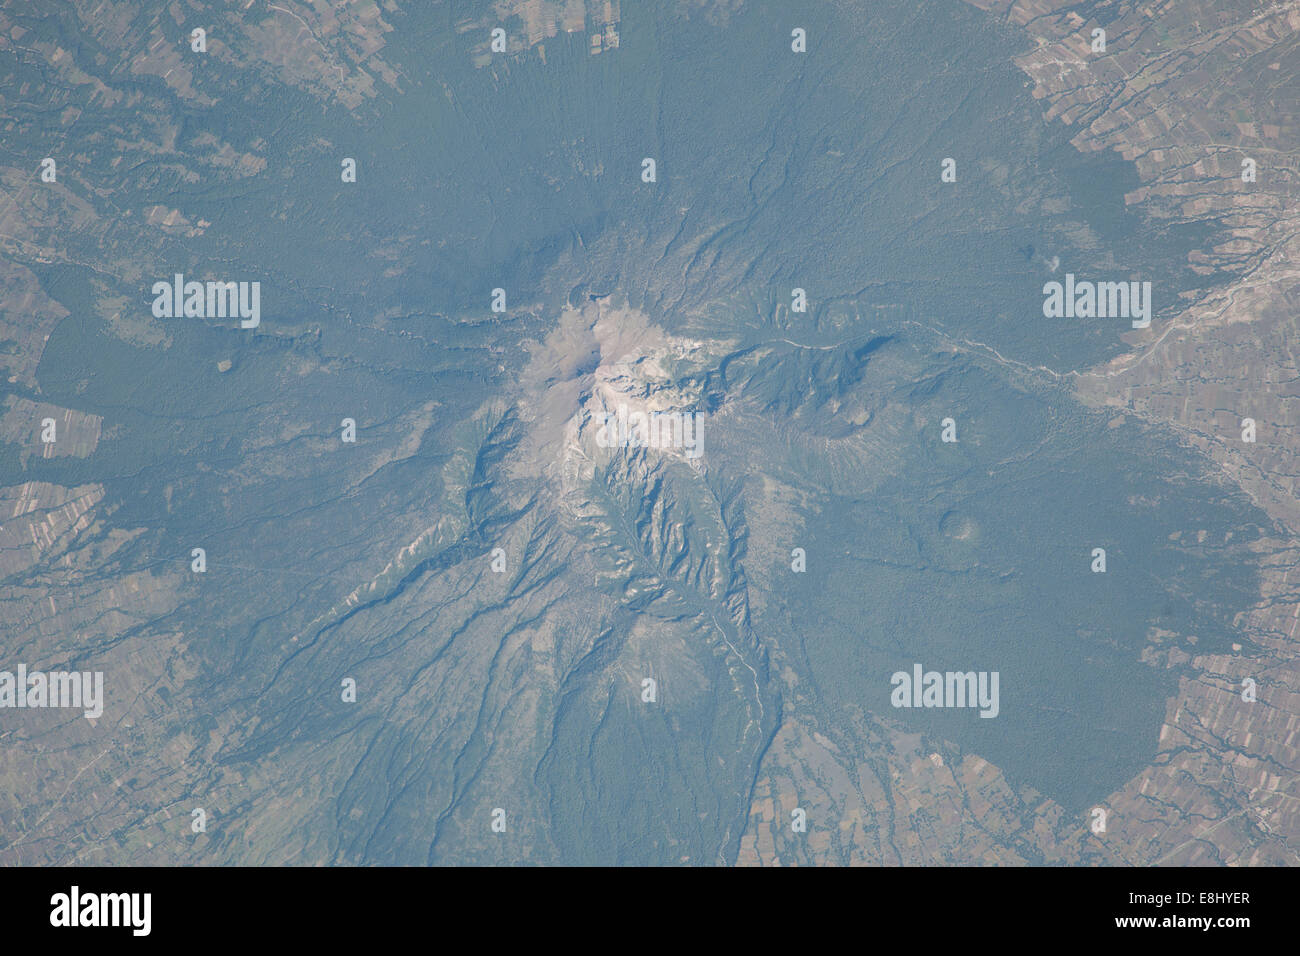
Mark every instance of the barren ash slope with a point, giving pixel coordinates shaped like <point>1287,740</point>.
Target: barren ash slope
<point>490,630</point>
